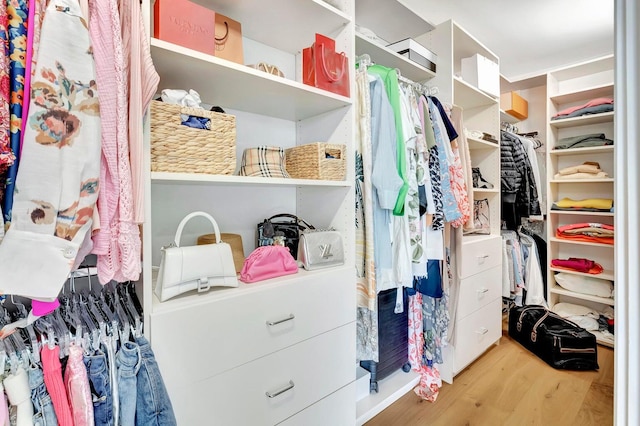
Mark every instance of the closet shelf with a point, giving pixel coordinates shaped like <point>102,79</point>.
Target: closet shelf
<point>581,243</point>
<point>475,238</point>
<point>391,389</point>
<point>475,143</point>
<point>194,298</point>
<point>291,33</point>
<point>581,213</point>
<point>602,180</point>
<point>382,55</point>
<point>607,274</point>
<point>505,117</point>
<point>232,180</point>
<point>235,86</point>
<point>602,91</point>
<point>486,190</point>
<point>467,96</point>
<point>600,340</point>
<point>604,300</point>
<point>606,117</point>
<point>607,149</point>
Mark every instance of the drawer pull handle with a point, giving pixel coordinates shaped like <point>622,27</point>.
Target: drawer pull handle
<point>280,321</point>
<point>483,256</point>
<point>280,391</point>
<point>482,331</point>
<point>483,290</point>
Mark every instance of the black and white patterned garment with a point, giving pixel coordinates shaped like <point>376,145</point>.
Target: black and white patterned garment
<point>434,172</point>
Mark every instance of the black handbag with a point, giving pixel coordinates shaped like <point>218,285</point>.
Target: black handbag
<point>288,226</point>
<point>559,342</point>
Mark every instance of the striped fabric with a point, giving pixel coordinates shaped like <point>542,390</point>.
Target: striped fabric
<point>266,161</point>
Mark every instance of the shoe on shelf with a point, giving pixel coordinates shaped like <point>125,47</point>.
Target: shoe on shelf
<point>478,180</point>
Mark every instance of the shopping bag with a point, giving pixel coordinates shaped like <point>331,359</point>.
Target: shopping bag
<point>324,68</point>
<point>185,23</point>
<point>228,43</point>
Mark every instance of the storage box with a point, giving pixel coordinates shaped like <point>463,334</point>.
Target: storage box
<point>186,24</point>
<point>318,160</point>
<point>515,105</point>
<point>415,52</point>
<point>181,149</point>
<point>363,381</point>
<point>482,73</point>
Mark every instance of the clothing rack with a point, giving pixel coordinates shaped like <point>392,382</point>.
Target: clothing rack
<point>364,61</point>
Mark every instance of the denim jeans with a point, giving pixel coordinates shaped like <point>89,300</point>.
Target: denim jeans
<point>128,365</point>
<point>43,413</point>
<point>99,377</point>
<point>153,407</point>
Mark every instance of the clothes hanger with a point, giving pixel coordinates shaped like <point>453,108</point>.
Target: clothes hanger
<point>132,313</point>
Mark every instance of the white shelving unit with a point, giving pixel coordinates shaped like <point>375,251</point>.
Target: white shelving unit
<point>573,86</point>
<point>244,357</point>
<point>478,321</point>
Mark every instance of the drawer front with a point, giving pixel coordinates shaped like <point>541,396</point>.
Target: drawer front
<point>233,331</point>
<point>477,332</point>
<point>477,291</point>
<point>337,409</point>
<point>316,367</point>
<point>480,255</point>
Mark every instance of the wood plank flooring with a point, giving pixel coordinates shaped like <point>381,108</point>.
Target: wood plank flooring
<point>508,385</point>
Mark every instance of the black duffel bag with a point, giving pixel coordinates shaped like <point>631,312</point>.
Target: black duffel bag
<point>559,342</point>
<point>287,225</point>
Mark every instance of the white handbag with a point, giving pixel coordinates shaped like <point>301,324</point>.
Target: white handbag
<point>320,249</point>
<point>200,267</point>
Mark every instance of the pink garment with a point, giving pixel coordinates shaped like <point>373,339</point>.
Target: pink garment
<point>104,34</point>
<point>143,83</point>
<point>77,384</point>
<point>53,381</point>
<point>459,189</point>
<point>7,156</point>
<point>27,74</point>
<point>36,26</point>
<point>591,103</point>
<point>416,336</point>
<point>40,308</point>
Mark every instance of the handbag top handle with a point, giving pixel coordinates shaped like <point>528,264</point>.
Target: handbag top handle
<point>190,216</point>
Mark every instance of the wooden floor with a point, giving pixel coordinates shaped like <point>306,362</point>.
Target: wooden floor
<point>509,385</point>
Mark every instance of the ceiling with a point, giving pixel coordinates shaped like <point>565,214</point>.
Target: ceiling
<point>530,37</point>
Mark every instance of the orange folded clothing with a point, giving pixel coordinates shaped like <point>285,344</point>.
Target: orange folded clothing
<point>589,232</point>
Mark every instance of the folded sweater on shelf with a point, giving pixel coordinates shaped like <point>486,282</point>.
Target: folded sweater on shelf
<point>588,203</point>
<point>576,111</point>
<point>584,141</point>
<point>588,232</point>
<point>578,264</point>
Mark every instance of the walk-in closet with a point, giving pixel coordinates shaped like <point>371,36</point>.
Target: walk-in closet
<point>319,212</point>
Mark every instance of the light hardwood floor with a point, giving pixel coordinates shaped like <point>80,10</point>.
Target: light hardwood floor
<point>509,385</point>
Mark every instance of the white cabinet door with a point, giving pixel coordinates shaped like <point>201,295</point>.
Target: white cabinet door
<point>337,409</point>
<point>478,290</point>
<point>476,332</point>
<point>480,255</point>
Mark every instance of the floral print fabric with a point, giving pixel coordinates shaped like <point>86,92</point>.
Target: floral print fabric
<point>17,13</point>
<point>6,154</point>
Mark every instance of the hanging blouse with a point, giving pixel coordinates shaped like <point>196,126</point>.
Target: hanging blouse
<point>58,176</point>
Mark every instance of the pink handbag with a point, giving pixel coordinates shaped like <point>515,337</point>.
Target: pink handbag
<point>268,262</point>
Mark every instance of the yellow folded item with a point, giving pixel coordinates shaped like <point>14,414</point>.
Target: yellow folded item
<point>589,203</point>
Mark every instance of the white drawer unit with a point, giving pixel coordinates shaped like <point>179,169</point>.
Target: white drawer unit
<point>242,328</point>
<point>272,388</point>
<point>481,254</point>
<point>475,333</point>
<point>479,290</point>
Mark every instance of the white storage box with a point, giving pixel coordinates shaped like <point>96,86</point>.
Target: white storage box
<point>363,380</point>
<point>415,52</point>
<point>482,73</point>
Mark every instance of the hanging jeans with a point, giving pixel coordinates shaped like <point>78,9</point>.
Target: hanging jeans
<point>153,406</point>
<point>44,414</point>
<point>99,377</point>
<point>128,365</point>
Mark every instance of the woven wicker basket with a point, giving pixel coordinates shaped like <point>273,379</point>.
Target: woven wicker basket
<point>310,161</point>
<point>182,149</point>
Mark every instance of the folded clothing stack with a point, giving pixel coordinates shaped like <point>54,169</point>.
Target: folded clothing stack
<point>583,141</point>
<point>594,106</point>
<point>578,264</point>
<point>588,232</point>
<point>587,205</point>
<point>586,170</point>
